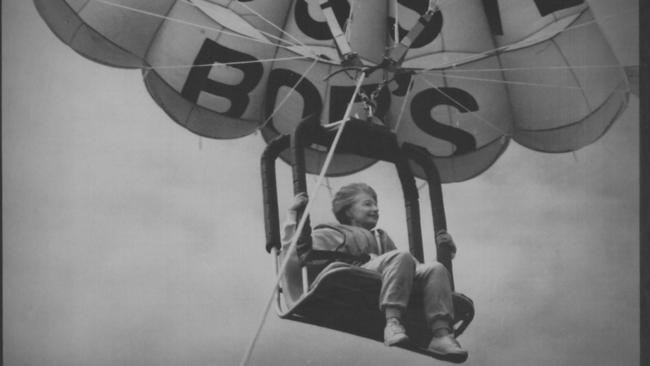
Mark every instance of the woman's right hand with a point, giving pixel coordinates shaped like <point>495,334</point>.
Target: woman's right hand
<point>299,202</point>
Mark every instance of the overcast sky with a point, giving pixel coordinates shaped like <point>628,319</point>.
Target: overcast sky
<point>128,240</point>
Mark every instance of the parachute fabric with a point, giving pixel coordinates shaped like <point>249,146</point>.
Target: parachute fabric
<point>482,72</point>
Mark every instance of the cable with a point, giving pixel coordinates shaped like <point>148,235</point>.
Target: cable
<point>303,220</point>
<point>180,21</point>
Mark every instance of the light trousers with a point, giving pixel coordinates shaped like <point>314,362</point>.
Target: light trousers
<point>401,273</point>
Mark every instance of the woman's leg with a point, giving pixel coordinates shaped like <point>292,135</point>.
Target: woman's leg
<point>435,284</point>
<point>397,271</point>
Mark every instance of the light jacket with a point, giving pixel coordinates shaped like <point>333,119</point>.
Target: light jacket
<point>341,242</point>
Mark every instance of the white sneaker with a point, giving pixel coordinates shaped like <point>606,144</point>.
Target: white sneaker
<point>394,333</point>
<point>448,347</point>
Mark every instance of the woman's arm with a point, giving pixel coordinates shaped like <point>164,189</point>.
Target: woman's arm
<point>291,221</point>
<point>325,243</point>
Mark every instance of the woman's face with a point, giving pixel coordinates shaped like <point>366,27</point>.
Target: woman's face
<point>364,211</point>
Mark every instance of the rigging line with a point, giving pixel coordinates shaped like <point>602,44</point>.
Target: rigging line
<point>298,42</point>
<point>327,185</point>
<point>189,2</point>
<point>301,224</point>
<point>488,123</point>
<point>348,21</point>
<point>396,26</point>
<point>595,21</point>
<point>403,107</point>
<point>529,68</point>
<point>508,82</point>
<point>498,49</point>
<point>611,15</point>
<point>473,57</point>
<point>338,35</point>
<point>218,64</point>
<point>180,21</point>
<point>286,97</point>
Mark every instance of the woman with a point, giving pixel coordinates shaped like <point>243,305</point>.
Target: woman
<point>355,207</point>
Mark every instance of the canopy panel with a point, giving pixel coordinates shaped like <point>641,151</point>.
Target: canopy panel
<point>208,76</point>
<point>298,89</point>
<point>567,90</point>
<point>463,123</point>
<point>116,33</point>
<point>480,73</point>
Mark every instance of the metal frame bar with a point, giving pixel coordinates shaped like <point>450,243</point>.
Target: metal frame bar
<point>364,139</point>
<point>421,156</point>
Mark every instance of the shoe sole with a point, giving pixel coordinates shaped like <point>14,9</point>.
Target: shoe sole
<point>451,357</point>
<point>399,342</point>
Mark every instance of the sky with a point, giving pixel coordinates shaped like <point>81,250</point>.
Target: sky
<point>128,240</point>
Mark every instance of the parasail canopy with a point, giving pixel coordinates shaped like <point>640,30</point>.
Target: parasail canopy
<point>476,74</point>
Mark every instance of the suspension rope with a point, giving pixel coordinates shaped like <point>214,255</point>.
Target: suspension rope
<point>339,37</point>
<point>396,27</point>
<point>496,69</point>
<point>200,7</point>
<point>594,21</point>
<point>403,107</point>
<point>303,220</point>
<point>180,21</point>
<point>348,22</point>
<point>510,82</point>
<point>220,64</point>
<point>298,42</point>
<point>499,49</point>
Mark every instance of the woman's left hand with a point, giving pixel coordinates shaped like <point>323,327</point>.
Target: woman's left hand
<point>444,240</point>
<point>299,202</point>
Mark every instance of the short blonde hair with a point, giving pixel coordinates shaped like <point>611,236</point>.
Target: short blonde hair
<point>345,197</point>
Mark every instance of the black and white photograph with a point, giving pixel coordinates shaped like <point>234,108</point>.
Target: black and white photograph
<point>321,182</point>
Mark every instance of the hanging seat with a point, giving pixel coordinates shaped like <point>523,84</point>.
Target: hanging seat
<point>338,295</point>
<point>345,297</point>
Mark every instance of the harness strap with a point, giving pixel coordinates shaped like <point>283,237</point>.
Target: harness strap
<point>380,244</point>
